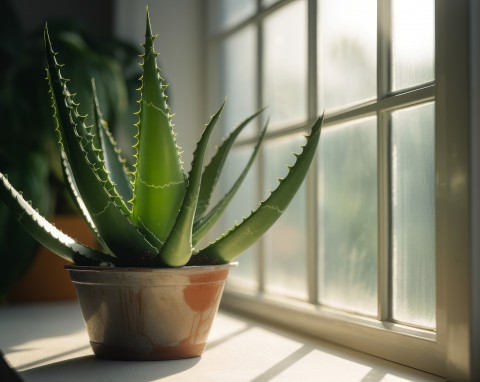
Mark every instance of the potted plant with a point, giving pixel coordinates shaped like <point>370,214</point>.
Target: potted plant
<point>148,293</point>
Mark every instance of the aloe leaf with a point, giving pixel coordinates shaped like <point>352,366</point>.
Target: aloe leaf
<point>46,233</point>
<point>239,238</point>
<point>107,210</point>
<point>158,194</point>
<point>214,168</point>
<point>93,132</point>
<point>203,225</point>
<point>73,190</point>
<point>114,163</point>
<point>178,247</point>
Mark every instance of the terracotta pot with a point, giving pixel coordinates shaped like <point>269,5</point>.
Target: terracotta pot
<point>149,314</point>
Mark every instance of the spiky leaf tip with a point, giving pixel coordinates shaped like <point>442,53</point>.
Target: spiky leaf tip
<point>157,195</point>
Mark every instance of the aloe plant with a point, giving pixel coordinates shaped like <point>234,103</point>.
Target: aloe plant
<point>156,215</point>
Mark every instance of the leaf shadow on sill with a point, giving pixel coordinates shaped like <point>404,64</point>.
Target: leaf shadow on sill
<point>89,368</point>
<point>32,365</point>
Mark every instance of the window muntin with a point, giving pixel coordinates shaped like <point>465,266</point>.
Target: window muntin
<point>267,3</point>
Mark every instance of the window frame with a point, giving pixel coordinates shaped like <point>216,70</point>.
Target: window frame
<point>452,349</point>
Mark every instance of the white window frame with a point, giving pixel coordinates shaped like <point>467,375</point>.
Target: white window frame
<point>453,350</point>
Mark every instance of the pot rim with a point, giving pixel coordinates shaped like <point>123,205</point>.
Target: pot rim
<point>184,269</point>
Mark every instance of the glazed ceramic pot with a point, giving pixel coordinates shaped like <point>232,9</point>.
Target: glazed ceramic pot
<point>149,314</point>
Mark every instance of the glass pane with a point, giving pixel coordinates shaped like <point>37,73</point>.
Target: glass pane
<point>413,42</point>
<point>348,216</point>
<point>347,36</point>
<point>238,57</point>
<point>245,200</point>
<point>231,12</point>
<point>413,210</point>
<point>285,243</point>
<point>285,64</point>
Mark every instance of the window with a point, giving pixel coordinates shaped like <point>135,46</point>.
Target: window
<point>364,256</point>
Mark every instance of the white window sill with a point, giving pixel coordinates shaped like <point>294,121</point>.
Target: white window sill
<point>48,342</point>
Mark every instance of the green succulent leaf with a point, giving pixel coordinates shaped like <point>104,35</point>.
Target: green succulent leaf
<point>178,247</point>
<point>114,163</point>
<point>159,185</point>
<point>46,233</point>
<point>203,225</point>
<point>107,209</point>
<point>214,168</point>
<point>73,190</point>
<point>242,236</point>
